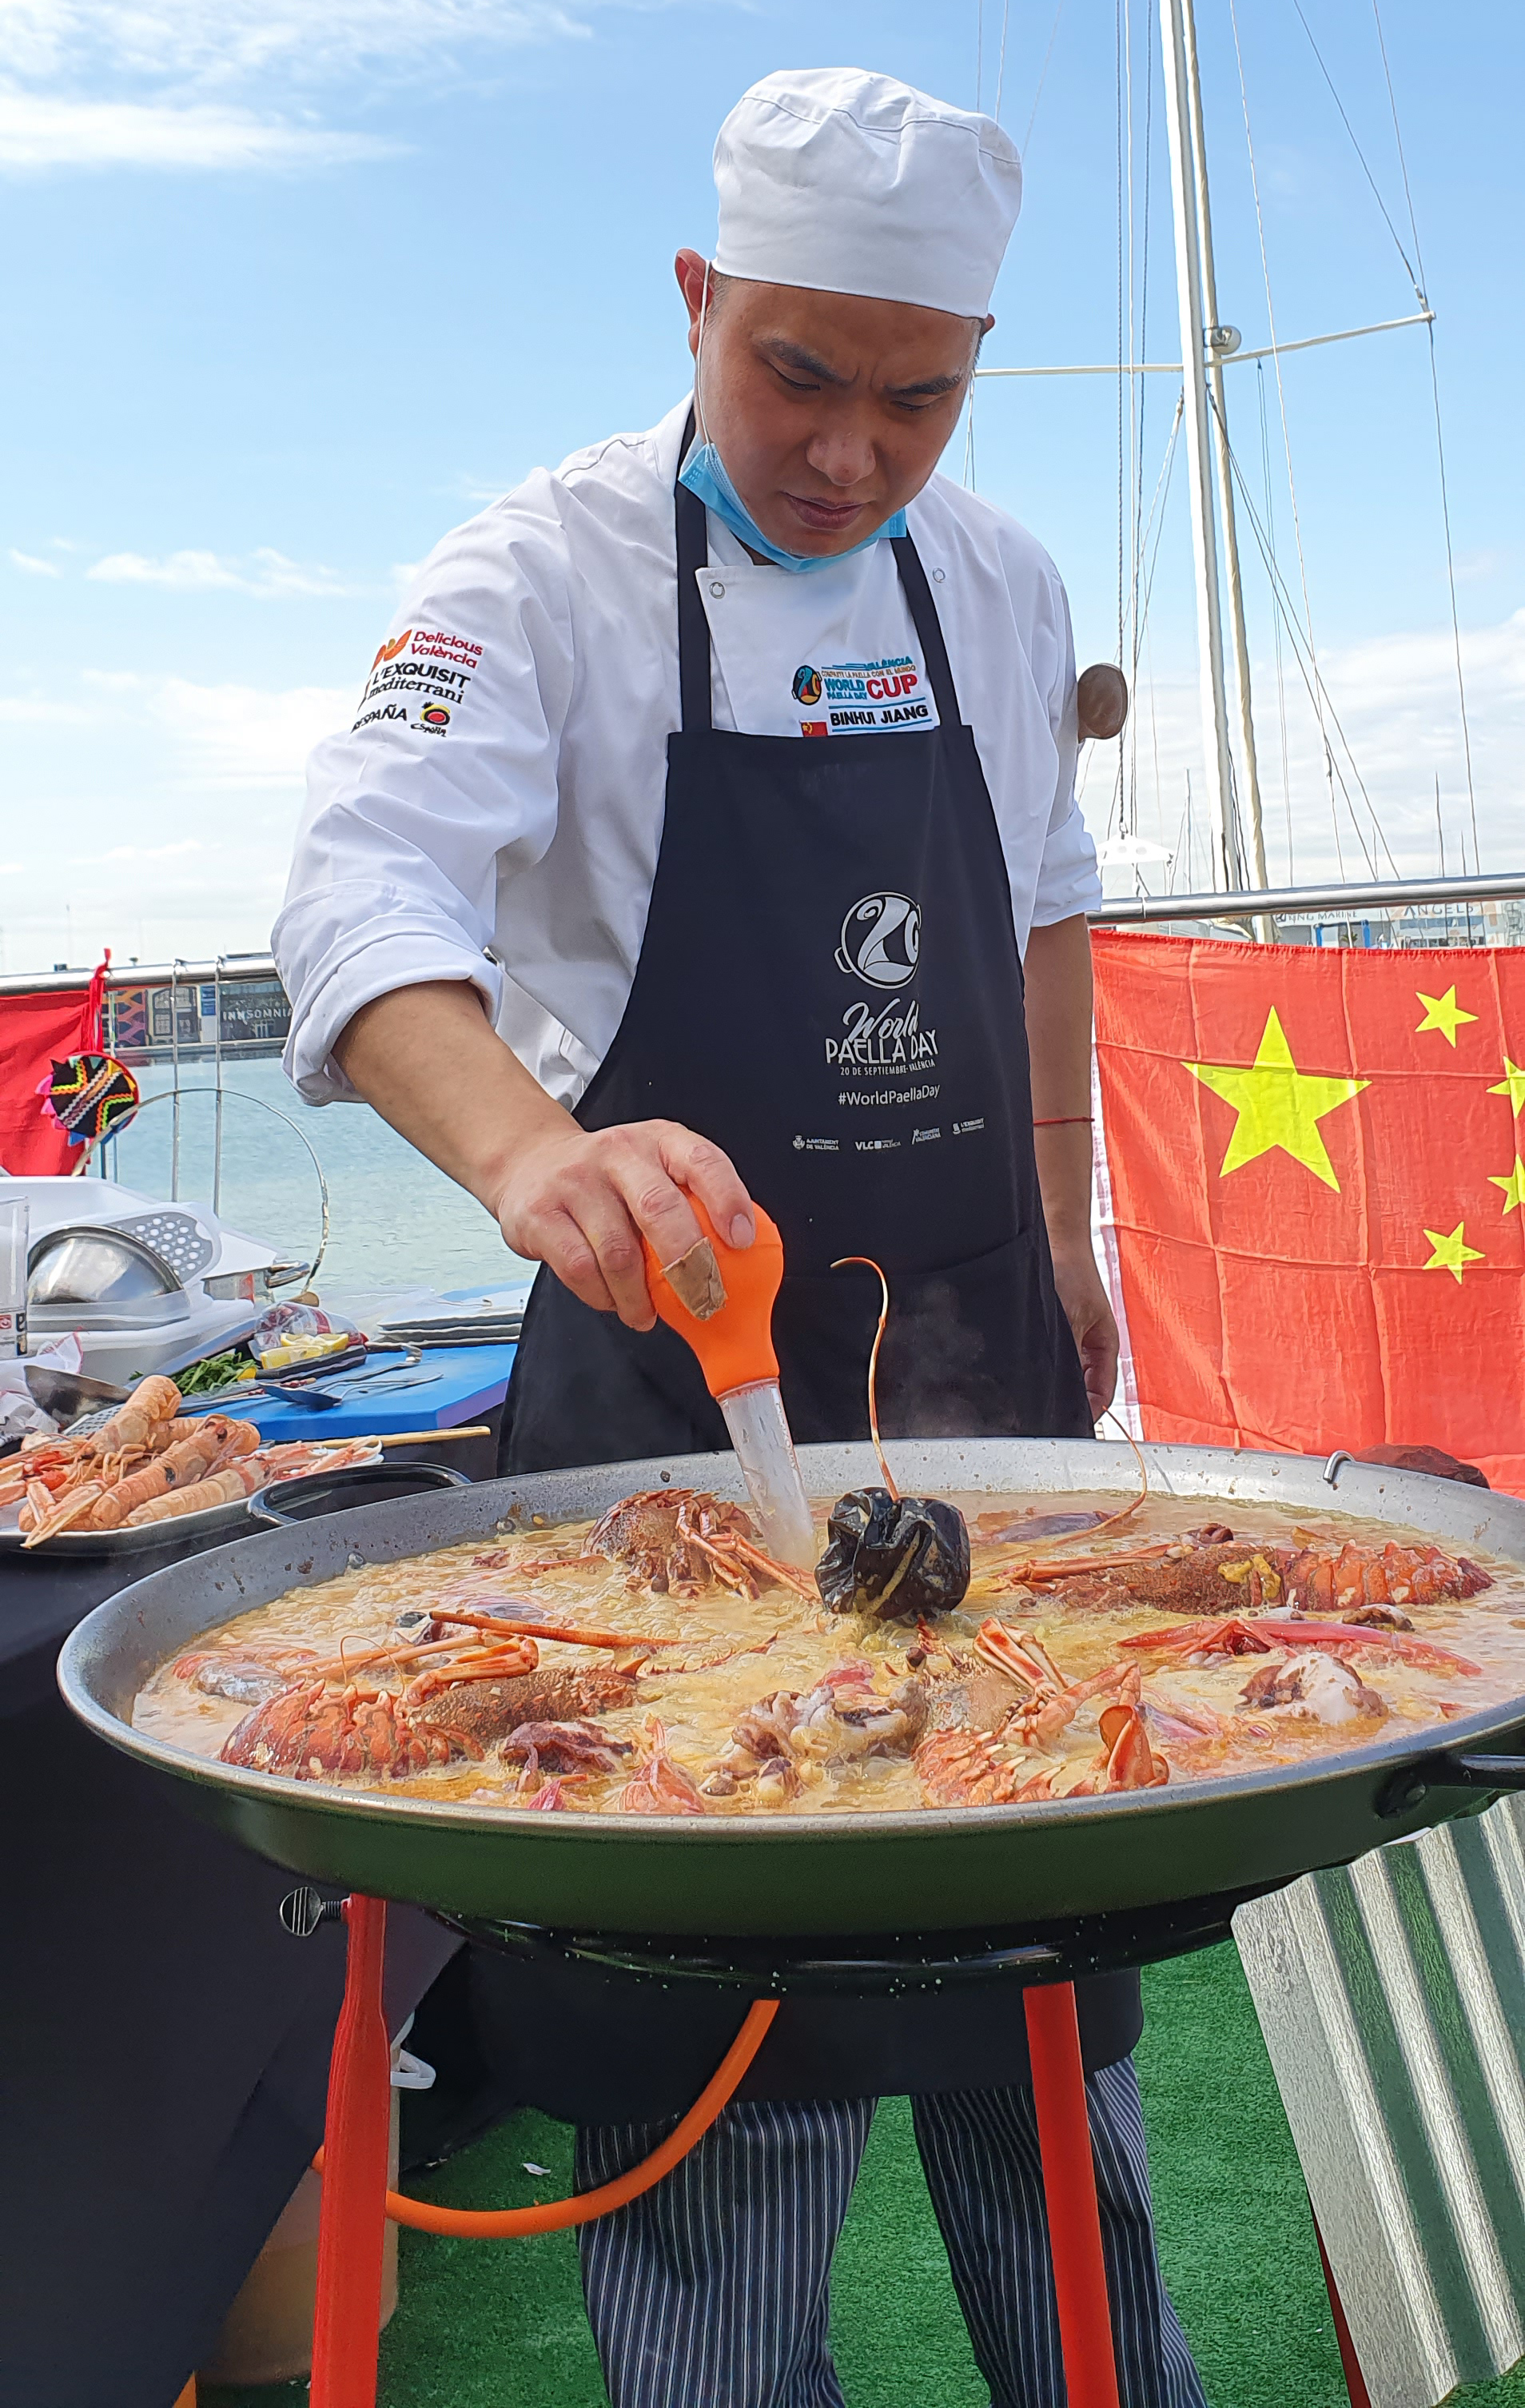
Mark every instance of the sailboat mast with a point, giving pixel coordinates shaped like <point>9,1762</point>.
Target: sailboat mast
<point>1221,341</point>
<point>1219,764</point>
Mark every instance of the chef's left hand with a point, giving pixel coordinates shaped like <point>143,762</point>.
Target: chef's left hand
<point>1089,1316</point>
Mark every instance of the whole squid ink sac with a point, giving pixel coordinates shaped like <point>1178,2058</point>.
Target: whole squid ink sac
<point>893,1557</point>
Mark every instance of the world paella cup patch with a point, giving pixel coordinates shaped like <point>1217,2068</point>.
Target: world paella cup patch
<point>865,697</point>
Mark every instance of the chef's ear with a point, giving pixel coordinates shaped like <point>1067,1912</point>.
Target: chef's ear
<point>688,269</point>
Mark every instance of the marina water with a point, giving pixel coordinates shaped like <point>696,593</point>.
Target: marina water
<point>397,1222</point>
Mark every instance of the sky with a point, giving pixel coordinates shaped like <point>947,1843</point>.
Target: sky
<point>292,291</point>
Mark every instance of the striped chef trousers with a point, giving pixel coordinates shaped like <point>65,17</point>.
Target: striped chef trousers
<point>712,2290</point>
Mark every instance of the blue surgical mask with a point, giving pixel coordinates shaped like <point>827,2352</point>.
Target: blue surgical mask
<point>704,473</point>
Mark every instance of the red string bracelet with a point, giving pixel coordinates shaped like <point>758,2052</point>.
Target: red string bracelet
<point>1066,1120</point>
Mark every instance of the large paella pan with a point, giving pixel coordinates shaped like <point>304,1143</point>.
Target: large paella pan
<point>964,1868</point>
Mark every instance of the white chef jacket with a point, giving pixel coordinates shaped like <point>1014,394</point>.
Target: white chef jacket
<point>494,812</point>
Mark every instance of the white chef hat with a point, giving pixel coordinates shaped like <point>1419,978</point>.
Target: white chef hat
<point>850,182</point>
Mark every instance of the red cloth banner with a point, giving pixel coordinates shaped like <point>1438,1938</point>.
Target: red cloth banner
<point>1312,1195</point>
<point>36,1031</point>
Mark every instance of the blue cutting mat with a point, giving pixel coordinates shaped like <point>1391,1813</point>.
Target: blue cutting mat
<point>464,1382</point>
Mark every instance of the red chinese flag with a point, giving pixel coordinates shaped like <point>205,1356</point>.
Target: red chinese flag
<point>1312,1196</point>
<point>36,1031</point>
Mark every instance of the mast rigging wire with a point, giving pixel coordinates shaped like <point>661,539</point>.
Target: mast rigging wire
<point>1275,625</point>
<point>1440,439</point>
<point>1286,436</point>
<point>1001,68</point>
<point>1141,351</point>
<point>1043,74</point>
<point>1161,493</point>
<point>1415,271</point>
<point>1311,677</point>
<point>1387,217</point>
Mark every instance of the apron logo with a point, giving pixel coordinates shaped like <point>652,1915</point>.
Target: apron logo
<point>882,940</point>
<point>806,686</point>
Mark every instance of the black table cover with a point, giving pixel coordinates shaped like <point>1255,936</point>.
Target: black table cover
<point>163,2042</point>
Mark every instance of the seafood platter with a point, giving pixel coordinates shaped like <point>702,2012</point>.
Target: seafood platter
<point>146,1472</point>
<point>1036,1677</point>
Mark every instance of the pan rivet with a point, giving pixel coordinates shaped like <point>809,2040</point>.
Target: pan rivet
<point>356,1562</point>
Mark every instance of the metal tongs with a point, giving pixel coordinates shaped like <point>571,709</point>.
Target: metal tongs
<point>721,1299</point>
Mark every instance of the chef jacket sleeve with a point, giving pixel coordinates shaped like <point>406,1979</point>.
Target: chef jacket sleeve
<point>1068,880</point>
<point>445,782</point>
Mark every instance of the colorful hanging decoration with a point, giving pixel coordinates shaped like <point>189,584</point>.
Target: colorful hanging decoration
<point>34,1031</point>
<point>1312,1195</point>
<point>90,1095</point>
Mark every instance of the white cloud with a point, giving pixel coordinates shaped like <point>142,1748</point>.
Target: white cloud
<point>38,130</point>
<point>204,737</point>
<point>34,567</point>
<point>267,573</point>
<point>49,39</point>
<point>240,736</point>
<point>137,852</point>
<point>150,83</point>
<point>39,710</point>
<point>1396,699</point>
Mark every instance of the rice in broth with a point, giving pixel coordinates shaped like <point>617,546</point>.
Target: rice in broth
<point>1199,1723</point>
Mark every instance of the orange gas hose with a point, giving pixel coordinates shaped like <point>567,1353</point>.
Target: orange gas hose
<point>555,2215</point>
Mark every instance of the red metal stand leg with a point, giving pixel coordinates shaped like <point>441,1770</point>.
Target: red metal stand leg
<point>354,2212</point>
<point>1069,2185</point>
<point>1355,2381</point>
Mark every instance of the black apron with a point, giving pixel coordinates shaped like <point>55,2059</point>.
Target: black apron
<point>829,988</point>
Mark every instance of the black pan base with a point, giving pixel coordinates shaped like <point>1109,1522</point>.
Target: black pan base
<point>892,1965</point>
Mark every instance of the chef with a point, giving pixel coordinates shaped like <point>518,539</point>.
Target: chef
<point>706,830</point>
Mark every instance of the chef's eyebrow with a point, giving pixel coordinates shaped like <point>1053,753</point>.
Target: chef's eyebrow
<point>929,388</point>
<point>793,355</point>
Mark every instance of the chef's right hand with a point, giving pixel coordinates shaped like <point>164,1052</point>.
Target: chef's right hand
<point>582,1200</point>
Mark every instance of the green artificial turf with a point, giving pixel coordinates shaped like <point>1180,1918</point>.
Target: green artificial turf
<point>500,2324</point>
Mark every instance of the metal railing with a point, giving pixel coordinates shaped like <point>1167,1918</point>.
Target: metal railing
<point>1339,899</point>
<point>1117,911</point>
<point>230,969</point>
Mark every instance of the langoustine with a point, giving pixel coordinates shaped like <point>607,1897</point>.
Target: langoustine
<point>468,1692</point>
<point>1248,1576</point>
<point>683,1541</point>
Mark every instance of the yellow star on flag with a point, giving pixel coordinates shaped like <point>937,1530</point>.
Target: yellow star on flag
<point>1512,1084</point>
<point>1276,1104</point>
<point>1444,1012</point>
<point>1514,1186</point>
<point>1452,1253</point>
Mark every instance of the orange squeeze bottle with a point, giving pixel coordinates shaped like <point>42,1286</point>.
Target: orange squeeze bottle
<point>719,1298</point>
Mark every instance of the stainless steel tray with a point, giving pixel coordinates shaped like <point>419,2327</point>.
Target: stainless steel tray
<point>232,1518</point>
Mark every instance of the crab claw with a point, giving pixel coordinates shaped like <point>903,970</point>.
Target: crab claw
<point>1127,1761</point>
<point>1017,1654</point>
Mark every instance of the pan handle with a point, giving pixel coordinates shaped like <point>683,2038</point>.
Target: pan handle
<point>301,1500</point>
<point>1410,1787</point>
